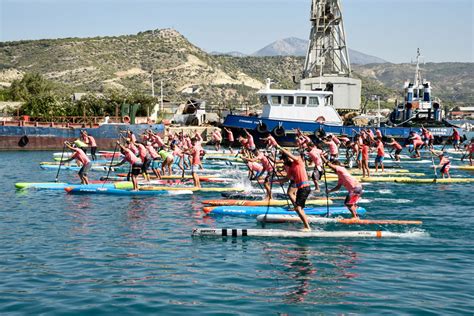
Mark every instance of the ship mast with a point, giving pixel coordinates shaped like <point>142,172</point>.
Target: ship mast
<point>327,65</point>
<point>418,70</point>
<point>327,52</point>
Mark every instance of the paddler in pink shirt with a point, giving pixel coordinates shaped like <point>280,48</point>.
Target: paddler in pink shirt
<point>350,183</point>
<point>397,147</point>
<point>470,151</point>
<point>269,141</point>
<point>155,158</point>
<point>146,159</point>
<point>195,153</point>
<point>90,141</point>
<point>250,141</point>
<point>267,170</point>
<point>217,139</point>
<point>81,159</point>
<point>444,163</point>
<point>314,153</point>
<point>333,150</point>
<point>230,139</point>
<point>417,143</point>
<point>134,161</point>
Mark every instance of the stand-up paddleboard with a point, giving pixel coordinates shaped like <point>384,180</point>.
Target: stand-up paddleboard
<point>260,196</point>
<point>173,181</point>
<point>262,202</point>
<point>262,210</point>
<point>59,186</point>
<point>108,191</point>
<point>77,168</point>
<point>176,176</point>
<point>202,189</point>
<point>451,180</point>
<point>326,220</point>
<point>280,233</point>
<point>383,179</point>
<point>469,168</point>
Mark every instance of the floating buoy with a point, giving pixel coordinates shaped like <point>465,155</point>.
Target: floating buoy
<point>126,119</point>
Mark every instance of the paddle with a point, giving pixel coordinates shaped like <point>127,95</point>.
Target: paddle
<point>327,193</point>
<point>111,163</point>
<point>271,188</point>
<point>434,166</point>
<point>60,163</point>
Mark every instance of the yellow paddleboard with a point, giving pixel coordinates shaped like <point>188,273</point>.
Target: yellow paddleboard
<point>452,180</point>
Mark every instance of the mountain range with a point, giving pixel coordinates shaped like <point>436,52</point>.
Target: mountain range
<point>293,46</point>
<point>127,62</point>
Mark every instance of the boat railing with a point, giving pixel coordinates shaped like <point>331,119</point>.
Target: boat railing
<point>58,121</point>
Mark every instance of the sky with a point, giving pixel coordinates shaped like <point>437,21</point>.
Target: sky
<point>389,29</point>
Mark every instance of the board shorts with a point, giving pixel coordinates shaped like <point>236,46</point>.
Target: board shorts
<point>155,163</point>
<point>354,196</point>
<point>317,173</point>
<point>359,156</point>
<point>379,159</point>
<point>146,165</point>
<point>85,169</point>
<point>195,169</point>
<point>445,168</point>
<point>398,151</point>
<point>302,195</point>
<point>137,169</point>
<point>455,142</point>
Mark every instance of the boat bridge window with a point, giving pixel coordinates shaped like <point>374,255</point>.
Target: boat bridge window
<point>264,99</point>
<point>276,100</point>
<point>301,101</point>
<point>313,101</point>
<point>288,100</point>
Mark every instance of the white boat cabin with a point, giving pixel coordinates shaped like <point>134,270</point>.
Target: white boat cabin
<point>298,105</point>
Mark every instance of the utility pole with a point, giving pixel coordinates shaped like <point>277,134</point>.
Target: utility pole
<point>378,113</point>
<point>152,84</point>
<point>161,97</point>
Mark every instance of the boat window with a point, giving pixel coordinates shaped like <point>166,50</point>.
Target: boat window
<point>264,99</point>
<point>301,101</point>
<point>288,100</point>
<point>276,100</point>
<point>313,101</point>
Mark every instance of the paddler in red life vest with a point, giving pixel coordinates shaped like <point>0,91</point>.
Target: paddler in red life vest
<point>380,155</point>
<point>297,172</point>
<point>397,147</point>
<point>456,139</point>
<point>266,172</point>
<point>444,163</point>
<point>134,161</point>
<point>81,159</point>
<point>230,139</point>
<point>314,154</point>
<point>351,184</point>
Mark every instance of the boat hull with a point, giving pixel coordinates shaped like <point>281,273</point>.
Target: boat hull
<point>52,138</point>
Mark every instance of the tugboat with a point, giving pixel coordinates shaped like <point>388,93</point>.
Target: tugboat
<point>418,107</point>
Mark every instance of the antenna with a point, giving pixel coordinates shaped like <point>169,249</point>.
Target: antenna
<point>327,52</point>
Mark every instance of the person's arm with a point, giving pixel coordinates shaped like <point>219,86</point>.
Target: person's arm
<point>287,152</point>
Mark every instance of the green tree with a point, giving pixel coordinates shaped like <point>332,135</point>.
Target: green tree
<point>30,86</point>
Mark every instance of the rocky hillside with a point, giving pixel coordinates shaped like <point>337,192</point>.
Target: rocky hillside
<point>126,62</point>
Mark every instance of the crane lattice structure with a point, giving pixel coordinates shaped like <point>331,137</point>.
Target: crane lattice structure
<point>327,53</point>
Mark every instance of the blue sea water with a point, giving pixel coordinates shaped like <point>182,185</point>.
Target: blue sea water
<point>63,254</point>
